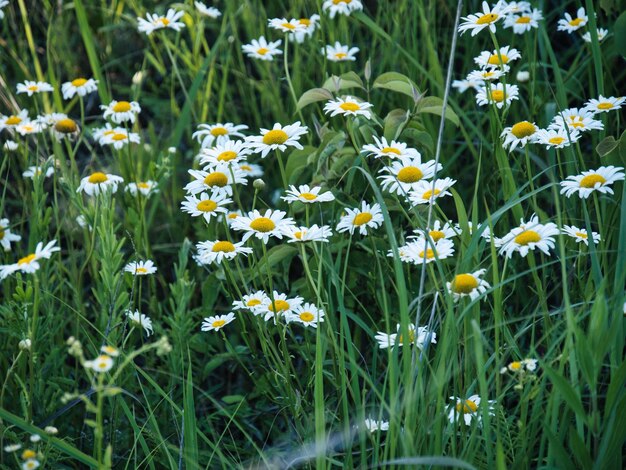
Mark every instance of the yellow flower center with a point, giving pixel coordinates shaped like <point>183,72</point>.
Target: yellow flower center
<point>33,88</point>
<point>253,303</point>
<point>590,181</point>
<point>262,51</point>
<point>337,2</point>
<point>410,174</point>
<point>118,136</point>
<point>526,237</point>
<point>308,196</point>
<point>581,235</point>
<point>207,206</point>
<point>576,21</point>
<point>488,74</point>
<point>605,105</point>
<point>245,168</point>
<point>349,106</point>
<point>143,185</point>
<point>226,156</point>
<point>218,131</point>
<point>556,140</point>
<point>224,247</point>
<point>164,21</point>
<point>411,337</point>
<point>288,26</point>
<point>141,270</point>
<point>306,316</point>
<point>428,194</point>
<point>464,283</point>
<point>467,407</point>
<point>217,178</point>
<point>362,218</point>
<point>497,95</point>
<point>487,19</point>
<point>121,107</point>
<point>495,60</point>
<point>13,121</point>
<point>233,215</point>
<point>28,454</point>
<point>218,323</point>
<point>98,177</point>
<point>523,20</point>
<point>576,124</point>
<point>436,235</point>
<point>109,350</point>
<point>275,137</point>
<point>299,235</point>
<point>79,82</point>
<point>430,254</point>
<point>305,21</point>
<point>262,224</point>
<point>102,362</point>
<point>66,126</point>
<point>1,233</point>
<point>390,150</point>
<point>28,128</point>
<point>279,306</point>
<point>523,129</point>
<point>341,55</point>
<point>516,365</point>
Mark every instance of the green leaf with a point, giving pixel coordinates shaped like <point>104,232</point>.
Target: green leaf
<point>397,82</point>
<point>434,105</point>
<point>607,145</point>
<point>313,96</point>
<point>619,29</point>
<point>344,81</point>
<point>231,399</point>
<point>190,445</point>
<point>394,123</point>
<point>567,392</point>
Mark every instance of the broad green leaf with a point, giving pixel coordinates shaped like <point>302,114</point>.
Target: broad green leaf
<point>620,33</point>
<point>607,145</point>
<point>394,123</point>
<point>313,96</point>
<point>396,82</point>
<point>434,105</point>
<point>342,82</point>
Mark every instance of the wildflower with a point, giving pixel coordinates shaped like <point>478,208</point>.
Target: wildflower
<point>529,365</point>
<point>140,320</point>
<point>251,170</point>
<point>206,205</point>
<point>12,448</point>
<point>211,12</point>
<point>361,219</point>
<point>575,119</point>
<point>99,182</point>
<point>36,171</point>
<point>580,234</point>
<point>30,464</point>
<point>524,22</point>
<point>556,138</point>
<point>262,226</point>
<point>210,252</point>
<point>277,305</point>
<point>145,188</point>
<point>420,337</point>
<point>496,94</point>
<point>604,105</point>
<point>522,76</point>
<point>404,174</point>
<point>520,134</point>
<point>310,25</point>
<point>373,425</point>
<point>286,26</point>
<point>78,86</point>
<point>217,178</point>
<point>226,151</point>
<point>28,454</point>
<point>498,58</point>
<point>343,7</point>
<point>13,120</point>
<point>348,106</point>
<point>307,195</point>
<point>423,192</point>
<point>141,268</point>
<point>100,364</point>
<point>425,251</point>
<point>30,88</point>
<point>10,145</point>
<point>308,234</point>
<point>468,409</point>
<point>30,263</point>
<point>65,128</point>
<point>154,22</point>
<point>216,323</point>
<point>6,237</point>
<point>339,53</point>
<point>278,138</point>
<point>592,180</point>
<point>484,75</point>
<point>121,111</point>
<point>119,138</point>
<point>219,133</point>
<point>529,235</point>
<point>601,32</point>
<point>51,430</point>
<point>392,149</point>
<point>463,85</point>
<point>110,350</point>
<point>250,301</point>
<point>466,284</point>
<point>307,314</point>
<point>437,232</point>
<point>485,19</point>
<point>261,49</point>
<point>25,344</point>
<point>30,127</point>
<point>570,24</point>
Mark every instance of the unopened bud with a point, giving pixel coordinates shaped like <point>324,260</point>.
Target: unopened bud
<point>258,184</point>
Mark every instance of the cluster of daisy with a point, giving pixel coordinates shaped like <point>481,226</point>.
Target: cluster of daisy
<point>31,456</point>
<point>523,371</point>
<point>577,22</point>
<point>420,336</point>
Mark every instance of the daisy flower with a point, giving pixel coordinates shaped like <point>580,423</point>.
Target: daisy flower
<point>286,26</point>
<point>463,85</point>
<point>361,219</point>
<point>65,128</point>
<point>556,138</point>
<point>485,19</point>
<point>217,322</point>
<point>310,25</point>
<point>145,188</point>
<point>110,350</point>
<point>10,146</point>
<point>12,447</point>
<point>339,53</point>
<point>262,226</point>
<point>528,236</point>
<point>373,425</point>
<point>307,195</point>
<point>154,22</point>
<point>251,301</point>
<point>6,237</point>
<point>580,234</point>
<point>261,49</point>
<point>100,364</point>
<point>403,175</point>
<point>206,205</point>
<point>307,315</point>
<point>218,133</point>
<point>228,151</point>
<point>466,284</point>
<point>437,232</point>
<point>392,149</point>
<point>30,127</point>
<point>211,12</point>
<point>119,138</point>
<point>30,88</point>
<point>140,268</point>
<point>14,120</point>
<point>308,234</point>
<point>423,192</point>
<point>592,180</point>
<point>140,320</point>
<point>570,24</point>
<point>520,133</point>
<point>604,105</point>
<point>524,22</point>
<point>100,132</point>
<point>420,337</point>
<point>279,305</point>
<point>522,76</point>
<point>468,410</point>
<point>218,178</point>
<point>425,251</point>
<point>348,106</point>
<point>484,75</point>
<point>529,365</point>
<point>78,86</point>
<point>278,138</point>
<point>498,58</point>
<point>343,7</point>
<point>602,33</point>
<point>30,263</point>
<point>210,252</point>
<point>99,182</point>
<point>36,171</point>
<point>121,111</point>
<point>496,94</point>
<point>251,170</point>
<point>576,119</point>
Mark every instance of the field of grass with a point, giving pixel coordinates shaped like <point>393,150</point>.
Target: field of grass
<point>448,290</point>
